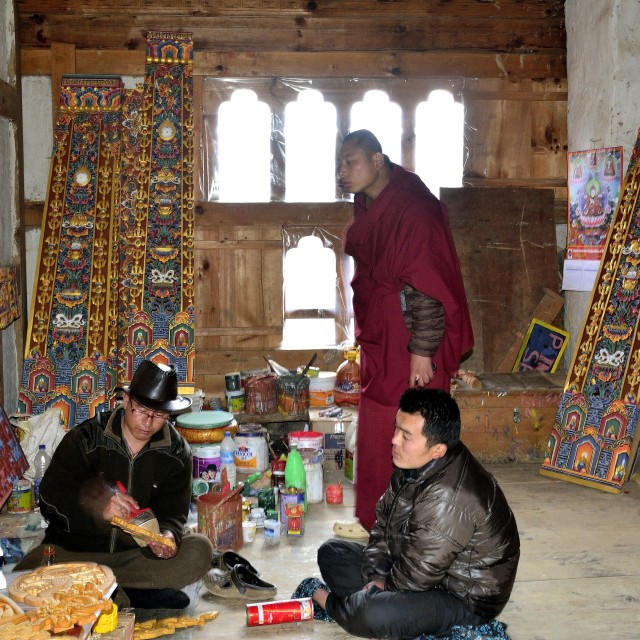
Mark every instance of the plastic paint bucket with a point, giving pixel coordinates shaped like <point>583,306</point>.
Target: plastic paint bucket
<point>252,453</point>
<point>322,389</point>
<point>205,457</point>
<point>306,439</point>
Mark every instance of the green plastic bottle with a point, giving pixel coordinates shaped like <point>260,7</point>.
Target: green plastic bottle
<point>294,473</point>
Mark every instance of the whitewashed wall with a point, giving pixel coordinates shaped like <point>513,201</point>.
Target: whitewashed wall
<point>603,50</point>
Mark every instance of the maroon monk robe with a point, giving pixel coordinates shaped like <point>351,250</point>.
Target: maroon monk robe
<point>402,238</point>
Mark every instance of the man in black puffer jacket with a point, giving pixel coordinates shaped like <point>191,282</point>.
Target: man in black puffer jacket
<point>445,547</point>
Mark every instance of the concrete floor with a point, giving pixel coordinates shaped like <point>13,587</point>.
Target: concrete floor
<point>578,576</point>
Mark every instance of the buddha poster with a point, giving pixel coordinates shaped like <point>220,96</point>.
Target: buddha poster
<point>593,189</point>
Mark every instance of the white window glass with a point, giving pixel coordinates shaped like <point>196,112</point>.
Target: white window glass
<point>310,129</point>
<point>244,152</point>
<point>310,281</point>
<point>439,141</point>
<point>383,118</point>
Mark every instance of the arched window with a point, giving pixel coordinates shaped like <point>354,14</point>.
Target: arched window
<point>244,149</point>
<point>310,148</point>
<point>439,141</point>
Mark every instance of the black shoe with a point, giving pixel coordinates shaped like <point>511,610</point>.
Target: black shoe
<point>226,560</point>
<point>157,598</point>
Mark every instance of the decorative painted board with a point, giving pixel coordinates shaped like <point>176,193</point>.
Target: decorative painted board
<point>593,441</point>
<point>156,309</point>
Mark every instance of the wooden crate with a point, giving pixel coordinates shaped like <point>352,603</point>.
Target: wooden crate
<point>510,417</point>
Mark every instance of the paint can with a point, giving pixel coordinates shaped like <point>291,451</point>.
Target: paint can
<point>232,381</point>
<point>321,389</point>
<point>235,401</point>
<point>252,453</point>
<point>263,613</point>
<point>306,439</point>
<point>206,462</point>
<point>20,497</point>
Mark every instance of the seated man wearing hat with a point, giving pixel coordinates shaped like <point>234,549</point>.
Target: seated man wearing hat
<point>136,446</point>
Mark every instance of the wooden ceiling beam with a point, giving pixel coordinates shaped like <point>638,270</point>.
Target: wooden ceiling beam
<point>383,64</point>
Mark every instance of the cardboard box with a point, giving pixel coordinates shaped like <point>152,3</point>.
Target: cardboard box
<point>334,451</point>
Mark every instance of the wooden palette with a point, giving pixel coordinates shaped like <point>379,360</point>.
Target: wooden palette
<point>38,586</point>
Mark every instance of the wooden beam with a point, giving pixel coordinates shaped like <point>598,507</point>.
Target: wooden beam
<point>63,61</point>
<point>358,64</point>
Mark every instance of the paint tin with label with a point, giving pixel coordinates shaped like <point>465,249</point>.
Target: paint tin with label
<point>206,462</point>
<point>233,381</point>
<point>252,453</point>
<point>235,401</point>
<point>20,497</point>
<point>263,613</point>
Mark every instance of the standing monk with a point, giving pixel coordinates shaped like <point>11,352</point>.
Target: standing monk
<point>412,319</point>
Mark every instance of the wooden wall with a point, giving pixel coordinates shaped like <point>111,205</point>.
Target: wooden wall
<point>508,60</point>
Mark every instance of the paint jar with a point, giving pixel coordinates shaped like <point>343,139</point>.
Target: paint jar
<point>271,531</point>
<point>260,394</point>
<point>248,531</point>
<point>312,461</point>
<point>206,462</point>
<point>257,516</point>
<point>235,401</point>
<point>252,452</point>
<point>293,394</point>
<point>232,381</point>
<point>20,497</point>
<point>334,494</point>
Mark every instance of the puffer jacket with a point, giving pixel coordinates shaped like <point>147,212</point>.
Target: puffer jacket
<point>446,525</point>
<point>82,475</point>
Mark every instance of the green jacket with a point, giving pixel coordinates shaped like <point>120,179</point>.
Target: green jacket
<point>82,476</point>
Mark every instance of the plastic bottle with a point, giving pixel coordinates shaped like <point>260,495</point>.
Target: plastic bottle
<point>347,386</point>
<point>40,464</point>
<point>227,458</point>
<point>294,472</point>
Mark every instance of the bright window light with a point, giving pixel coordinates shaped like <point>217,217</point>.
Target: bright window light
<point>244,154</point>
<point>310,276</point>
<point>383,118</point>
<point>439,141</point>
<point>310,131</point>
<point>310,280</point>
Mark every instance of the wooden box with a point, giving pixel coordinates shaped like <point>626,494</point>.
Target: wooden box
<point>510,416</point>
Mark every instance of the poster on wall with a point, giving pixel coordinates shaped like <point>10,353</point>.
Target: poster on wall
<point>542,347</point>
<point>594,183</point>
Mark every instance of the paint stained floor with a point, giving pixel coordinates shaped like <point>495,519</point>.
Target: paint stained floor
<point>579,574</point>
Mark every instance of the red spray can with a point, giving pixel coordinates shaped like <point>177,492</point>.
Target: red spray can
<point>263,613</point>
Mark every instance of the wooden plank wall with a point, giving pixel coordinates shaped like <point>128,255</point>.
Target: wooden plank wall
<point>506,61</point>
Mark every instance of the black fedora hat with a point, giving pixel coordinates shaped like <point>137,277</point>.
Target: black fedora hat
<point>156,386</point>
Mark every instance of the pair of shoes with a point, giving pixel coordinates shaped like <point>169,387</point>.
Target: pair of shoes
<point>350,530</point>
<point>240,583</point>
<point>157,598</point>
<point>306,589</point>
<point>227,560</point>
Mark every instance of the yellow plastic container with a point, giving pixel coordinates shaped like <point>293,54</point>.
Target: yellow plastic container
<point>107,620</point>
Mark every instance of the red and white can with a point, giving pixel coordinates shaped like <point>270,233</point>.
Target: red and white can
<point>280,611</point>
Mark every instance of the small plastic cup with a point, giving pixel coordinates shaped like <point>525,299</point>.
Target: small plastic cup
<point>248,531</point>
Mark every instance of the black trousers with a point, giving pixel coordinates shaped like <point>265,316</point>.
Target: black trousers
<point>384,614</point>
